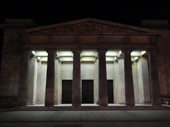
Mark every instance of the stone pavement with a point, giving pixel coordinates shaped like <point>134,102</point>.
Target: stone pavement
<point>128,118</point>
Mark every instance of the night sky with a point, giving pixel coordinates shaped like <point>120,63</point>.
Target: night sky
<point>46,12</point>
<point>50,12</point>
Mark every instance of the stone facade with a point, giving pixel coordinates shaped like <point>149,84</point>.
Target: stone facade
<point>163,52</point>
<point>34,81</point>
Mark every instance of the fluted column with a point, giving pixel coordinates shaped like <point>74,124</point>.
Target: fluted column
<point>103,96</point>
<point>23,78</point>
<point>155,88</point>
<point>49,96</point>
<point>129,92</point>
<point>76,100</point>
<point>121,81</point>
<point>32,80</point>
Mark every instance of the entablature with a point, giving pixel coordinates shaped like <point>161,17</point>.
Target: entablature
<point>92,38</point>
<point>107,46</point>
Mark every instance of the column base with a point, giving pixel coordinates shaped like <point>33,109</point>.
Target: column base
<point>19,107</point>
<point>76,105</point>
<point>103,105</point>
<point>49,105</point>
<point>130,105</point>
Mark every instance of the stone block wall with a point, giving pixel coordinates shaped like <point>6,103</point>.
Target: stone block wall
<point>11,59</point>
<point>164,63</point>
<point>163,54</point>
<point>10,63</point>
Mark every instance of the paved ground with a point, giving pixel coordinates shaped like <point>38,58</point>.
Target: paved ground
<point>129,118</point>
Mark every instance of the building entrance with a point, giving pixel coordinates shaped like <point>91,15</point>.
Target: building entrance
<point>110,91</point>
<point>66,91</point>
<point>87,91</point>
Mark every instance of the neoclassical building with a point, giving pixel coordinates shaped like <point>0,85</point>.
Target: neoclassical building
<point>86,63</point>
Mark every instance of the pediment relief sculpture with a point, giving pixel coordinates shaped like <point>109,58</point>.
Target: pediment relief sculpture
<point>88,27</point>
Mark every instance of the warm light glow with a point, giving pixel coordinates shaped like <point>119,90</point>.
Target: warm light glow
<point>110,58</point>
<point>135,58</point>
<point>38,58</point>
<point>66,58</point>
<point>88,59</point>
<point>115,58</point>
<point>120,52</point>
<point>44,59</point>
<point>41,53</point>
<point>135,53</point>
<point>143,52</point>
<point>88,53</point>
<point>64,53</point>
<point>112,53</point>
<point>33,52</point>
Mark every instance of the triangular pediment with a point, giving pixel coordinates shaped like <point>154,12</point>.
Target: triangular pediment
<point>88,25</point>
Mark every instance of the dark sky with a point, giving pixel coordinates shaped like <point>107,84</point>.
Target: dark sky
<point>46,12</point>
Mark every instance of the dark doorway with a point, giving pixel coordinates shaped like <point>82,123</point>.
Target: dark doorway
<point>87,91</point>
<point>66,91</point>
<point>110,91</point>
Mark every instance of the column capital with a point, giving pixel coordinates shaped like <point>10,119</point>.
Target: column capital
<point>102,50</point>
<point>152,50</point>
<point>127,50</point>
<point>50,50</point>
<point>76,50</point>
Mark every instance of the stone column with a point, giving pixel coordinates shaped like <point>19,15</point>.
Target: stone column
<point>129,92</point>
<point>116,82</point>
<point>39,92</point>
<point>23,78</point>
<point>59,83</point>
<point>56,87</point>
<point>96,80</point>
<point>156,99</point>
<point>32,81</point>
<point>121,81</point>
<point>76,99</point>
<point>103,96</point>
<point>136,82</point>
<point>144,79</point>
<point>49,96</point>
<point>41,81</point>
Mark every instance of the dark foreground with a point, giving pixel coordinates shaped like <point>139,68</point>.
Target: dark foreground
<point>127,118</point>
